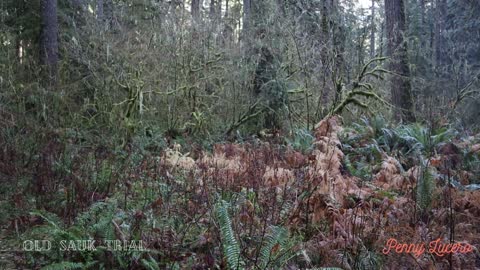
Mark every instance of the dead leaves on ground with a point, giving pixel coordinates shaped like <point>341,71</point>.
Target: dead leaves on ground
<point>355,217</point>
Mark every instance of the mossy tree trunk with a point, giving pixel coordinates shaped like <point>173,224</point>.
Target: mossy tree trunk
<point>49,40</point>
<point>398,52</point>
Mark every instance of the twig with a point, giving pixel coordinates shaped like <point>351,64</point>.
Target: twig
<point>249,114</point>
<point>119,232</point>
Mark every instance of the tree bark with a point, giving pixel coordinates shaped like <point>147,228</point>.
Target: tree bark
<point>100,15</point>
<point>49,39</point>
<point>397,50</point>
<point>195,9</point>
<point>422,11</point>
<point>212,8</point>
<point>79,14</point>
<point>382,43</point>
<point>423,25</point>
<point>219,8</point>
<point>108,11</point>
<point>247,8</point>
<point>439,40</point>
<point>372,35</point>
<point>226,8</point>
<point>324,33</point>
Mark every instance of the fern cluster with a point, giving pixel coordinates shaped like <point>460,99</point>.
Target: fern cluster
<point>368,141</point>
<point>277,248</point>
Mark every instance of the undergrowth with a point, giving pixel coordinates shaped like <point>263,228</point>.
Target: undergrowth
<point>311,200</point>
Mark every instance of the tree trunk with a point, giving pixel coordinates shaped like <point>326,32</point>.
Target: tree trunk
<point>423,25</point>
<point>212,8</point>
<point>80,8</point>
<point>246,15</point>
<point>108,11</point>
<point>100,15</point>
<point>439,40</point>
<point>397,49</point>
<point>324,34</point>
<point>226,8</point>
<point>49,39</point>
<point>219,8</point>
<point>372,35</point>
<point>382,42</point>
<point>195,9</point>
<point>422,11</point>
<point>281,7</point>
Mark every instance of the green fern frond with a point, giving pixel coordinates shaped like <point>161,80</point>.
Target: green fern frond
<point>231,248</point>
<point>68,266</point>
<point>150,264</point>
<point>443,135</point>
<point>53,228</point>
<point>97,220</point>
<point>425,187</point>
<point>276,237</point>
<point>421,139</point>
<point>349,166</point>
<point>301,140</point>
<point>50,218</point>
<point>277,249</point>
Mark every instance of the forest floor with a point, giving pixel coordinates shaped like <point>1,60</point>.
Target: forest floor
<point>343,197</point>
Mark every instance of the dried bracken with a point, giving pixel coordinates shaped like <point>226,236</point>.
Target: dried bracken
<point>390,175</point>
<point>344,221</point>
<point>174,158</point>
<point>343,218</point>
<point>275,177</point>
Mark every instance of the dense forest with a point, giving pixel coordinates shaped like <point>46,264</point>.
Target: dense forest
<point>239,134</point>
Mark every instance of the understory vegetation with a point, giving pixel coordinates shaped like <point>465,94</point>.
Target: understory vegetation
<point>263,204</point>
<point>238,134</point>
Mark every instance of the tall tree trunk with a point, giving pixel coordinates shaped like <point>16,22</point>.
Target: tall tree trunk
<point>108,10</point>
<point>219,9</point>
<point>226,8</point>
<point>423,25</point>
<point>100,15</point>
<point>195,9</point>
<point>360,48</point>
<point>228,27</point>
<point>49,39</point>
<point>212,8</point>
<point>439,40</point>
<point>422,11</point>
<point>397,49</point>
<point>372,35</point>
<point>281,7</point>
<point>382,42</point>
<point>336,24</point>
<point>80,8</point>
<point>325,33</point>
<point>105,13</point>
<point>247,8</point>
<point>325,45</point>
